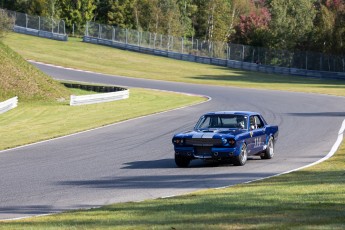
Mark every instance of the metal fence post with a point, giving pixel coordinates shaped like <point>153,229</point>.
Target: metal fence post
<point>242,52</point>
<point>112,33</point>
<point>126,36</point>
<point>182,45</point>
<point>197,46</point>
<point>99,30</point>
<point>26,21</point>
<point>39,23</point>
<point>154,40</point>
<point>161,44</point>
<point>86,29</point>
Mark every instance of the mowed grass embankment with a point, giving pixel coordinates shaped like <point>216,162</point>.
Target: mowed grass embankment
<point>77,54</point>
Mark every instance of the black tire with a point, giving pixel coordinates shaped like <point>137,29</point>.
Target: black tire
<point>241,159</point>
<point>269,152</point>
<point>182,162</point>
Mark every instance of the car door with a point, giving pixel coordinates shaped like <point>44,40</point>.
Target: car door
<point>257,135</point>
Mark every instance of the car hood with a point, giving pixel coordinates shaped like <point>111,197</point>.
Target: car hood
<point>214,133</point>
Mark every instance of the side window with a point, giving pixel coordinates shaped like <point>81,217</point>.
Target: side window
<point>259,123</point>
<point>252,123</point>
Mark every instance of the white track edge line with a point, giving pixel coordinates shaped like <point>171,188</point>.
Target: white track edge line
<point>329,155</point>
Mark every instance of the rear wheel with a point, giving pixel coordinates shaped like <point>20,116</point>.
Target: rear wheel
<point>241,159</point>
<point>182,162</point>
<point>269,152</point>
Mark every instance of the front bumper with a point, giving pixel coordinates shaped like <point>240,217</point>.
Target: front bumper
<point>212,153</point>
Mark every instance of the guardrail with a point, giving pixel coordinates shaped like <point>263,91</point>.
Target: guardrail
<point>218,61</point>
<point>40,33</point>
<point>98,98</point>
<point>8,105</point>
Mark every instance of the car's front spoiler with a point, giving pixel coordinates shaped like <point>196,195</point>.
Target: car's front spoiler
<point>215,153</point>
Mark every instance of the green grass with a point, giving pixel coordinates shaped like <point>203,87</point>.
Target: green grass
<point>313,198</point>
<point>77,54</point>
<point>34,121</point>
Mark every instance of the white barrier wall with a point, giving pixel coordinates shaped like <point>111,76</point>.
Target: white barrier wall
<point>99,98</point>
<point>8,105</point>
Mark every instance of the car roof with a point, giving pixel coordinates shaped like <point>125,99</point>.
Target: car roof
<point>248,113</point>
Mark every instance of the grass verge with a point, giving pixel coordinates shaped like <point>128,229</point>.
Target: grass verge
<point>309,199</point>
<point>77,54</point>
<point>35,121</point>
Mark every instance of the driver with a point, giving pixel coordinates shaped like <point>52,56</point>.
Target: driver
<point>240,122</point>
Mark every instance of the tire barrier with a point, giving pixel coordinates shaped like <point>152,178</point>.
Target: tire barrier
<point>110,93</point>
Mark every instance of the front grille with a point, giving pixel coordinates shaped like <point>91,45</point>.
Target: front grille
<point>203,141</point>
<point>203,150</point>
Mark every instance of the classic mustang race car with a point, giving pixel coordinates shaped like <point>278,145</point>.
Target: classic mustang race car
<point>226,136</point>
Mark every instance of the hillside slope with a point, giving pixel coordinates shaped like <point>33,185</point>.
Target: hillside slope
<point>20,78</point>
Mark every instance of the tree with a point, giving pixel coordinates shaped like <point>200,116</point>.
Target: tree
<point>121,14</point>
<point>253,25</point>
<point>187,9</point>
<point>212,19</point>
<point>292,23</point>
<point>329,34</point>
<point>77,12</point>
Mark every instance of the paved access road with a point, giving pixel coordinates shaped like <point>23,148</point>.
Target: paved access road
<point>133,160</point>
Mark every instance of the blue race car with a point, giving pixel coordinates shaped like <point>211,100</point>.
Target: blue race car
<point>226,136</point>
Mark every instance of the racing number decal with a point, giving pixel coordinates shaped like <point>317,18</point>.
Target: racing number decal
<point>257,142</point>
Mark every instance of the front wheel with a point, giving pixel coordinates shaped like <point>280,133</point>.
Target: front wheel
<point>241,159</point>
<point>182,162</point>
<point>269,152</point>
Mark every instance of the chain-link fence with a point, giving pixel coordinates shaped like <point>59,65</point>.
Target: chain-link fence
<point>38,26</point>
<point>220,50</point>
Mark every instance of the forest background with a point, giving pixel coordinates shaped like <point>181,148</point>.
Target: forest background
<point>306,25</point>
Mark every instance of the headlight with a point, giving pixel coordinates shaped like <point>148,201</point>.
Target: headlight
<point>232,142</point>
<point>178,141</point>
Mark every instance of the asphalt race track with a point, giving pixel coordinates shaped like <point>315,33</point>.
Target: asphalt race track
<point>133,160</point>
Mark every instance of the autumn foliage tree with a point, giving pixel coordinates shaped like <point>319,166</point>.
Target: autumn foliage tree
<point>253,25</point>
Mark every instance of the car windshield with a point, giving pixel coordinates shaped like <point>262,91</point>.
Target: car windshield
<point>222,121</point>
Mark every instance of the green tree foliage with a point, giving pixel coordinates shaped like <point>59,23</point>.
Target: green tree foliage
<point>121,14</point>
<point>329,34</point>
<point>187,9</point>
<point>212,18</point>
<point>292,23</point>
<point>77,12</point>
